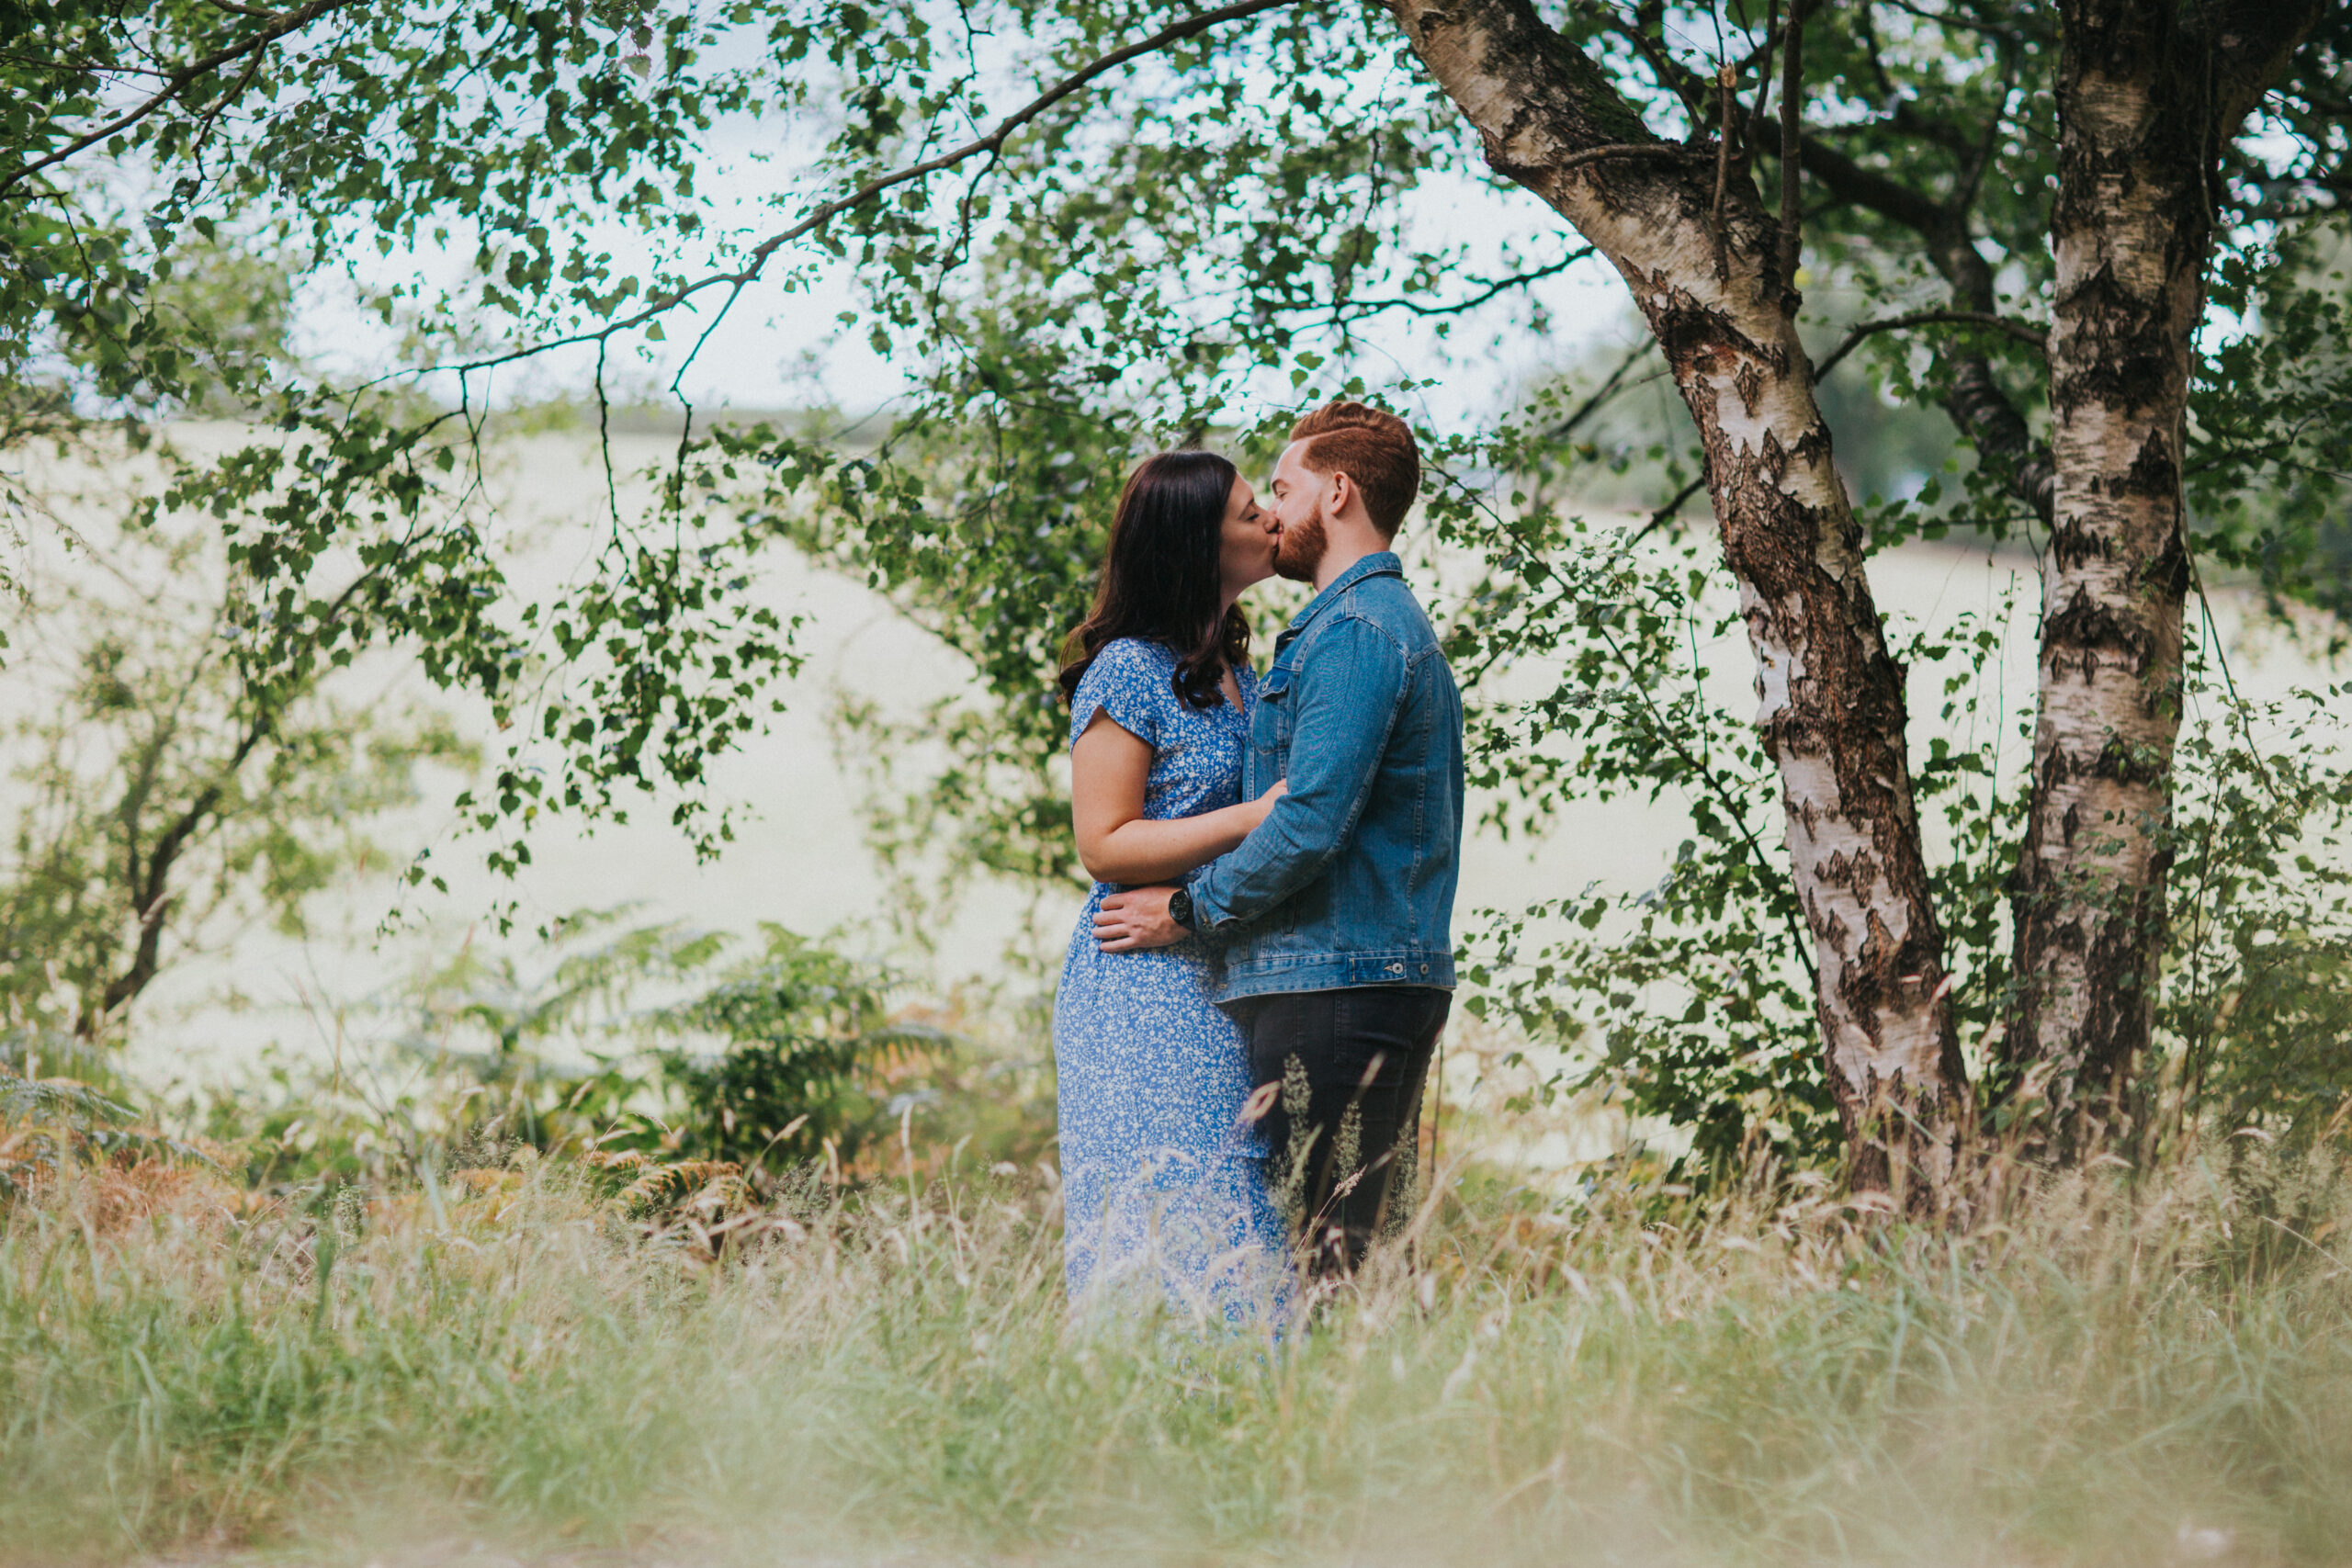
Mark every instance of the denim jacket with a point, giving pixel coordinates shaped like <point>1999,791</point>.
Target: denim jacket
<point>1350,879</point>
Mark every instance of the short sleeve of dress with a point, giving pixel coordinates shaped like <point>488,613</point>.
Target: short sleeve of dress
<point>1125,680</point>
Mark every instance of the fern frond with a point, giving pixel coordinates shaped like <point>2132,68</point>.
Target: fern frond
<point>678,1177</point>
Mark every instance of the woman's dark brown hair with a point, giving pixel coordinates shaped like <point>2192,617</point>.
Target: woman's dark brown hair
<point>1162,579</point>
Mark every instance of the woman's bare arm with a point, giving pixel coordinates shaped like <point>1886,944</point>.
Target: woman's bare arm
<point>1110,770</point>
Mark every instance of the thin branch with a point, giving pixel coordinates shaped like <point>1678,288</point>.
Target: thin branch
<point>176,82</point>
<point>151,895</point>
<point>57,66</point>
<point>1690,85</point>
<point>210,119</point>
<point>1801,942</point>
<point>1723,174</point>
<point>1764,65</point>
<point>757,258</point>
<point>1606,389</point>
<point>1791,109</point>
<point>1673,76</point>
<point>1373,307</point>
<point>2033,337</point>
<point>1670,508</point>
<point>2018,22</point>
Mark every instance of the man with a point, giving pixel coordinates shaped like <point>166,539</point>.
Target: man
<point>1335,914</point>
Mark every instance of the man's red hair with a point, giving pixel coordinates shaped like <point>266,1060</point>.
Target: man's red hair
<point>1373,447</point>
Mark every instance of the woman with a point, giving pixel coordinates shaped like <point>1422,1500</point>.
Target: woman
<point>1164,1180</point>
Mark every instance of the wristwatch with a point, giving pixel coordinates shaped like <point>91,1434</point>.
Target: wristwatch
<point>1180,907</point>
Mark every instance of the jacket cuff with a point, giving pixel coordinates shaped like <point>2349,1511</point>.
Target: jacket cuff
<point>1209,913</point>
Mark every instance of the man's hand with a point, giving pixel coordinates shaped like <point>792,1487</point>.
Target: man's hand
<point>1137,918</point>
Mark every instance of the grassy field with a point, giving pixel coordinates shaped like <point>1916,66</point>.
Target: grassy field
<point>499,1365</point>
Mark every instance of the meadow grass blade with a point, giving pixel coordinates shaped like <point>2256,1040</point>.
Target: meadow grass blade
<point>2112,1374</point>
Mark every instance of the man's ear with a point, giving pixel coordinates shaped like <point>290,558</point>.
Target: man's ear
<point>1337,492</point>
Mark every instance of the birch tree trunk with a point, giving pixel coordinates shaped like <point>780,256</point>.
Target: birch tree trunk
<point>2148,92</point>
<point>1831,698</point>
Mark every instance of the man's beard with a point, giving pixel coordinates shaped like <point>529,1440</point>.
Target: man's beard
<point>1298,550</point>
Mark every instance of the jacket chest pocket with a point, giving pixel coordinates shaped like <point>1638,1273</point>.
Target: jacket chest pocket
<point>1272,733</point>
<point>1271,738</point>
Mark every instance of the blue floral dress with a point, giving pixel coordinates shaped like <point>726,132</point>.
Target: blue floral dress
<point>1162,1184</point>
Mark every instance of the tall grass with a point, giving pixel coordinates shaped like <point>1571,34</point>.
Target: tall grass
<point>2117,1375</point>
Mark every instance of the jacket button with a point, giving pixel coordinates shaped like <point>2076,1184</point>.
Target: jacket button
<point>1425,968</point>
<point>1395,968</point>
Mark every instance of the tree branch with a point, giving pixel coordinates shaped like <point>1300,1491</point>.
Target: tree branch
<point>2033,337</point>
<point>1689,86</point>
<point>2021,21</point>
<point>1503,285</point>
<point>281,23</point>
<point>1976,404</point>
<point>2250,47</point>
<point>1792,111</point>
<point>1607,391</point>
<point>151,897</point>
<point>1673,76</point>
<point>1672,507</point>
<point>757,258</point>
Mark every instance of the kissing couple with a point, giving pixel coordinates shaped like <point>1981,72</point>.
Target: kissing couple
<point>1259,977</point>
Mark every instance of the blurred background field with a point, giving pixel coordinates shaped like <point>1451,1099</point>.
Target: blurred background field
<point>259,976</point>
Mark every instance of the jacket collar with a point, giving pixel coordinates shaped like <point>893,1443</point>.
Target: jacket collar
<point>1380,563</point>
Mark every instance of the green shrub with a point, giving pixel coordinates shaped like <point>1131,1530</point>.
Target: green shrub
<point>660,1039</point>
<point>804,1046</point>
<point>2256,1015</point>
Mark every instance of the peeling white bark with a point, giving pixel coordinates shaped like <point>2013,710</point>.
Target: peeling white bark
<point>1829,696</point>
<point>2148,92</point>
<point>2130,238</point>
<point>2145,102</point>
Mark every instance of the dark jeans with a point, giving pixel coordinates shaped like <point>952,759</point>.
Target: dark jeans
<point>1346,1121</point>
